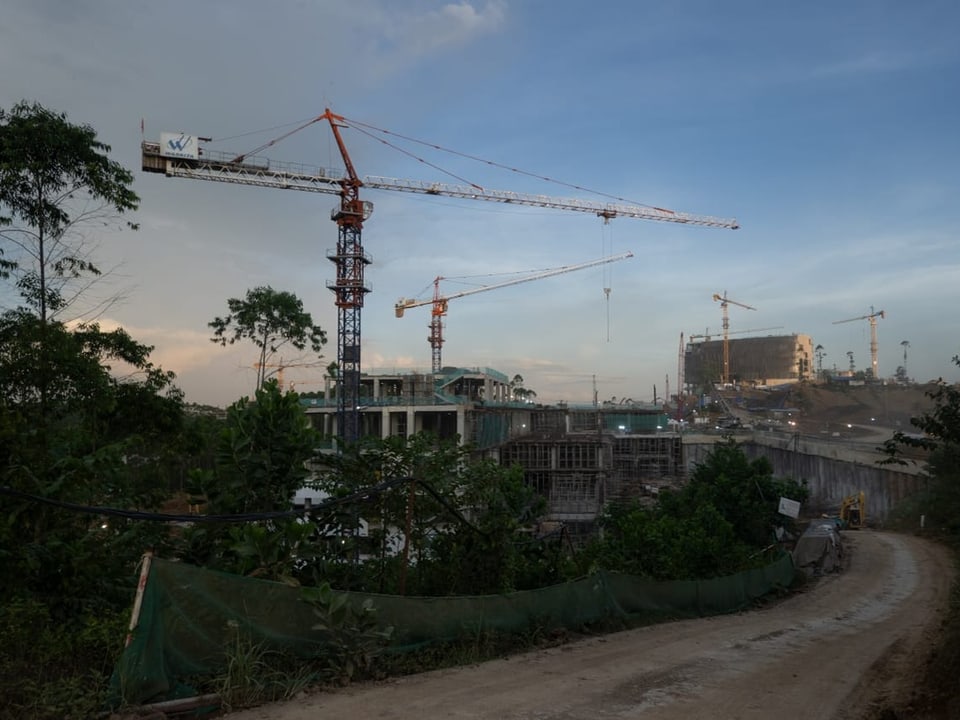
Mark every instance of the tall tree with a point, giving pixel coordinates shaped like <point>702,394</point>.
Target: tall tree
<point>272,320</point>
<point>55,176</point>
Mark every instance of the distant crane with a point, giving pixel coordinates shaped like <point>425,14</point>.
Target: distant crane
<point>278,369</point>
<point>180,155</point>
<point>440,302</point>
<point>724,303</point>
<point>872,319</point>
<point>680,379</point>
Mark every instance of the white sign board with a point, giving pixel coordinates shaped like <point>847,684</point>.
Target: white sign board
<point>790,508</point>
<point>179,145</point>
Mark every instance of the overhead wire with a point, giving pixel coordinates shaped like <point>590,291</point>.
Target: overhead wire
<point>357,125</point>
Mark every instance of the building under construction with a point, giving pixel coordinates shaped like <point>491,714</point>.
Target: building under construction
<point>771,360</point>
<point>578,457</point>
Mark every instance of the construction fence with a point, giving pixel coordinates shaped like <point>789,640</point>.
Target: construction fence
<point>188,617</point>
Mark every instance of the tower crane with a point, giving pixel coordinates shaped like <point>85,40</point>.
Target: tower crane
<point>872,319</point>
<point>440,302</point>
<point>724,303</point>
<point>180,155</point>
<point>680,379</point>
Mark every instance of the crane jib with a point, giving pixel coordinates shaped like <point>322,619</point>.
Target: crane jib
<point>223,167</point>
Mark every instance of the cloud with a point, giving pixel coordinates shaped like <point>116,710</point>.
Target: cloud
<point>407,36</point>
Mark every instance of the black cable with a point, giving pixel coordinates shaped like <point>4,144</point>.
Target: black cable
<point>172,517</point>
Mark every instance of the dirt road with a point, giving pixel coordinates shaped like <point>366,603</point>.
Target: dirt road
<point>851,641</point>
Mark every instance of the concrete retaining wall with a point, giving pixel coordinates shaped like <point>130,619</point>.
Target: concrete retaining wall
<point>831,470</point>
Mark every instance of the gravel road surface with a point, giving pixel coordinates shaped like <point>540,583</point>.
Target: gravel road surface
<point>849,643</point>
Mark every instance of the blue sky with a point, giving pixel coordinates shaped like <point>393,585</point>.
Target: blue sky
<point>829,130</point>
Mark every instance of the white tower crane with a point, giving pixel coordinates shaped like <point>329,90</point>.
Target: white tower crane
<point>440,302</point>
<point>872,319</point>
<point>180,155</point>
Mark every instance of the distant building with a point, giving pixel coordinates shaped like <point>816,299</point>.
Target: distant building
<point>771,360</point>
<point>577,457</point>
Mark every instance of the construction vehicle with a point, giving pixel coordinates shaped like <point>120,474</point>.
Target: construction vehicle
<point>724,303</point>
<point>440,302</point>
<point>872,319</point>
<point>853,511</point>
<point>181,155</point>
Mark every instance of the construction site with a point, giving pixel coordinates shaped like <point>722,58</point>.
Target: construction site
<point>579,457</point>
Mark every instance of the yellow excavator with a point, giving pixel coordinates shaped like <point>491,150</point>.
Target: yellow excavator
<point>853,511</point>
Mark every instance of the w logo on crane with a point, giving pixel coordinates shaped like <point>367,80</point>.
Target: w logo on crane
<point>179,145</point>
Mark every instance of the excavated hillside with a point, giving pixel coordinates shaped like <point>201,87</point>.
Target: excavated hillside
<point>830,409</point>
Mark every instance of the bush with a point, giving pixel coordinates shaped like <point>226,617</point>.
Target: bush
<point>51,671</point>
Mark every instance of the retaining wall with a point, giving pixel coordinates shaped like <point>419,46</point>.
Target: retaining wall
<point>832,470</point>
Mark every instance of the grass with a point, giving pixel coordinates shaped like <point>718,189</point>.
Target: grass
<point>255,675</point>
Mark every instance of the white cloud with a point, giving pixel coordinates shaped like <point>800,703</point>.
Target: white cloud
<point>452,25</point>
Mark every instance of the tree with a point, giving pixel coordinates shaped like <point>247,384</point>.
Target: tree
<point>518,391</point>
<point>717,524</point>
<point>85,419</point>
<point>272,320</point>
<point>54,177</point>
<point>940,436</point>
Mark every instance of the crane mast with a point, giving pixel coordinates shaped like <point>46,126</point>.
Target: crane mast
<point>724,302</point>
<point>180,155</point>
<point>874,347</point>
<point>440,302</point>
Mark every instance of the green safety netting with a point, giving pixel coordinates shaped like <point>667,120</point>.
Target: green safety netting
<point>190,615</point>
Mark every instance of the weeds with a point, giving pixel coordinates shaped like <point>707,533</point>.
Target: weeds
<point>350,635</point>
<point>56,671</point>
<point>254,675</point>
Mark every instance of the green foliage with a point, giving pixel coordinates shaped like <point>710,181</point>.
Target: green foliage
<point>85,437</point>
<point>270,551</point>
<point>51,670</point>
<point>261,456</point>
<point>940,436</point>
<point>457,527</point>
<point>85,418</point>
<point>349,634</point>
<point>272,320</point>
<point>54,175</point>
<point>254,675</point>
<point>260,463</point>
<point>940,503</point>
<point>744,491</point>
<point>717,524</point>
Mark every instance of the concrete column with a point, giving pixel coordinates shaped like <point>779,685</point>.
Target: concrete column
<point>384,422</point>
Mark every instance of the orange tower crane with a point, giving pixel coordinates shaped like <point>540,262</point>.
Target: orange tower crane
<point>872,319</point>
<point>724,303</point>
<point>440,302</point>
<point>180,155</point>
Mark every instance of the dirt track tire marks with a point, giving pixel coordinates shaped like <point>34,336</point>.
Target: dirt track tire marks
<point>852,640</point>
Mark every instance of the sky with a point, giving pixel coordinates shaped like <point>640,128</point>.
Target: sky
<point>828,130</point>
